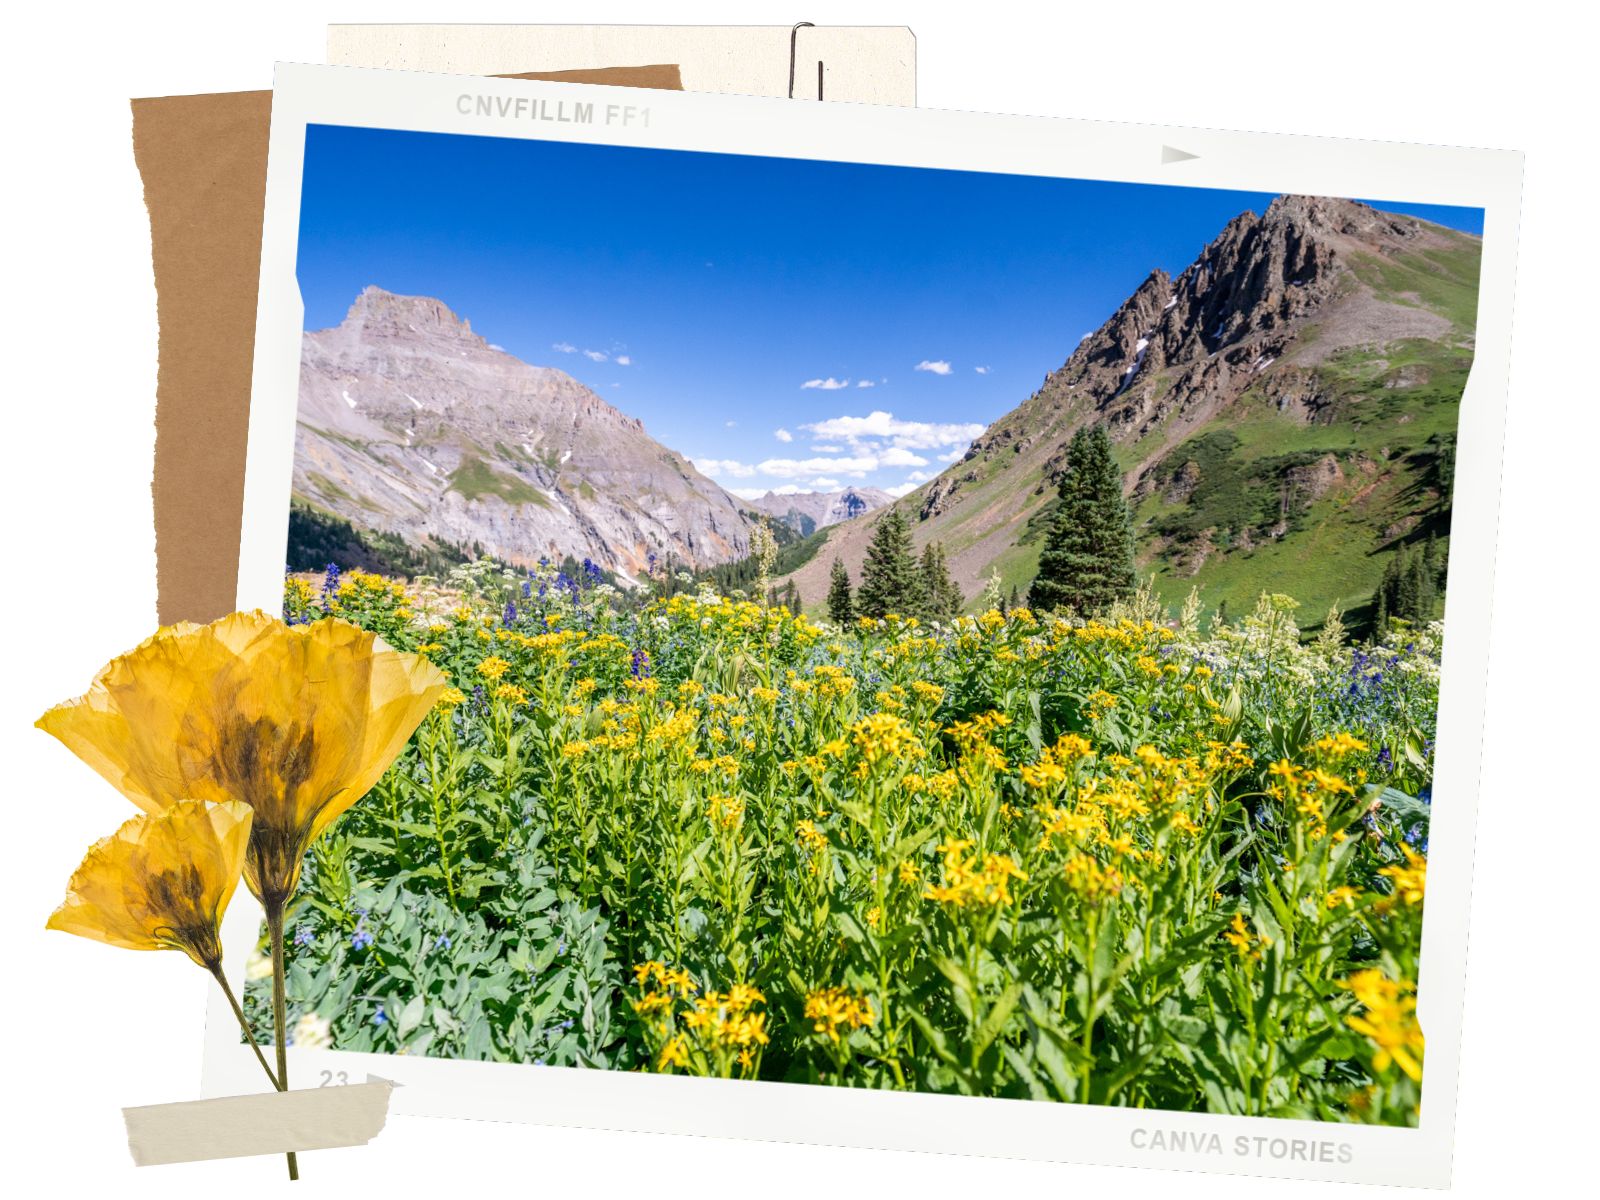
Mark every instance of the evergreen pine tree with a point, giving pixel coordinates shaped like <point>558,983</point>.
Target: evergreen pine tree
<point>1408,597</point>
<point>889,580</point>
<point>791,597</point>
<point>1381,601</point>
<point>1087,561</point>
<point>841,605</point>
<point>941,598</point>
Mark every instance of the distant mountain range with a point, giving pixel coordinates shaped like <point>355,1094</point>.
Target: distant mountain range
<point>807,512</point>
<point>1284,410</point>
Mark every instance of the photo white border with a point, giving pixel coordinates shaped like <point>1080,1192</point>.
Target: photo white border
<point>1487,179</point>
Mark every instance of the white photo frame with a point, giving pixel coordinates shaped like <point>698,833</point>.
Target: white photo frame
<point>1486,179</point>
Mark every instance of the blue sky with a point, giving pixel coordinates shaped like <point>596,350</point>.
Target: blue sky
<point>784,323</point>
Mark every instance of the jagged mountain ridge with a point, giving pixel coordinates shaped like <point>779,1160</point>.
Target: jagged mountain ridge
<point>409,422</point>
<point>807,512</point>
<point>1301,358</point>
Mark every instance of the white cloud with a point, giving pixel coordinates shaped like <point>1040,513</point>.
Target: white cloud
<point>596,355</point>
<point>918,477</point>
<point>865,383</point>
<point>830,384</point>
<point>783,435</point>
<point>564,348</point>
<point>896,456</point>
<point>723,466</point>
<point>902,489</point>
<point>954,455</point>
<point>792,468</point>
<point>938,366</point>
<point>622,360</point>
<point>823,484</point>
<point>729,424</point>
<point>823,448</point>
<point>979,370</point>
<point>882,427</point>
<point>748,493</point>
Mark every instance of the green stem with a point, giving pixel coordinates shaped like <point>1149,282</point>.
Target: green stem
<point>280,1018</point>
<point>1088,1023</point>
<point>249,1034</point>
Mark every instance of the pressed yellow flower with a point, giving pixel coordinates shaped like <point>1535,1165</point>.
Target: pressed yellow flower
<point>161,882</point>
<point>296,721</point>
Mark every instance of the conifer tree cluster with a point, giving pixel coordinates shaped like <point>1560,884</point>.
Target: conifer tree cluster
<point>1411,585</point>
<point>1087,562</point>
<point>895,580</point>
<point>941,598</point>
<point>788,597</point>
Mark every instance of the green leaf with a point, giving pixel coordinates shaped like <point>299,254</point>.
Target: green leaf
<point>410,1016</point>
<point>995,1021</point>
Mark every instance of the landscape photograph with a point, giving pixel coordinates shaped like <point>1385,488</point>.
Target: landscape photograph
<point>908,629</point>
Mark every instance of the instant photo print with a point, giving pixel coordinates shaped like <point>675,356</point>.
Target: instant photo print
<point>967,633</point>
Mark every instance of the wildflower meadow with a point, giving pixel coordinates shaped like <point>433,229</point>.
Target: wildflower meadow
<point>1143,860</point>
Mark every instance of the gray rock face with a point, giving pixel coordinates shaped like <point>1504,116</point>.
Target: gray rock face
<point>1179,351</point>
<point>807,512</point>
<point>411,423</point>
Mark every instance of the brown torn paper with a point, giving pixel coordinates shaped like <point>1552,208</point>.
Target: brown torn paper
<point>267,1123</point>
<point>203,160</point>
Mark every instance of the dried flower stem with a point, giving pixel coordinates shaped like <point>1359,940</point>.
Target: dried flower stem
<point>280,1018</point>
<point>249,1034</point>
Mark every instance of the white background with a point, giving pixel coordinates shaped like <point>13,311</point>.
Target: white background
<point>88,1030</point>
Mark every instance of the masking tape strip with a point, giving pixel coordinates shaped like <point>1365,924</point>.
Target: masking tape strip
<point>268,1123</point>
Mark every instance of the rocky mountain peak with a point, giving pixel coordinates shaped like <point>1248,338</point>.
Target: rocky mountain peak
<point>379,315</point>
<point>806,512</point>
<point>412,424</point>
<point>1188,346</point>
